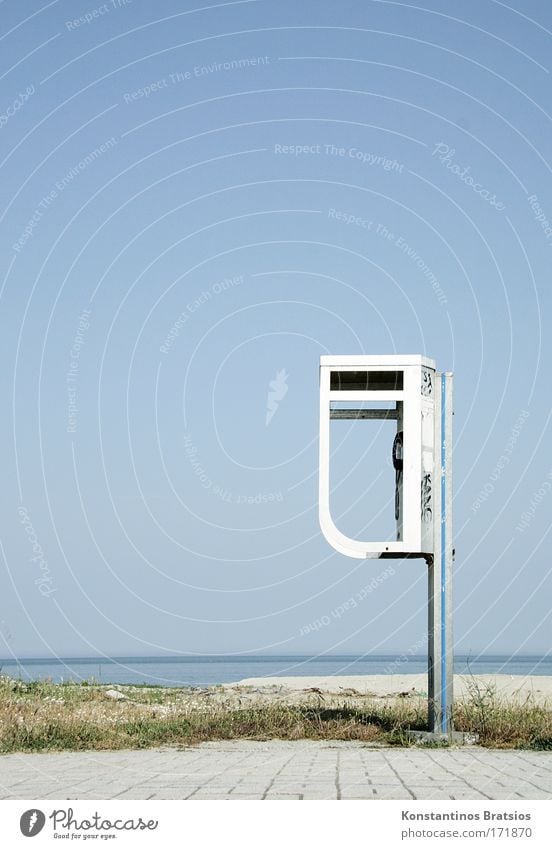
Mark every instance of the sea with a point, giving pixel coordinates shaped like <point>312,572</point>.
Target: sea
<point>204,671</point>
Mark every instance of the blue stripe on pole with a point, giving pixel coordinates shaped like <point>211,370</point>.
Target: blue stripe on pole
<point>443,559</point>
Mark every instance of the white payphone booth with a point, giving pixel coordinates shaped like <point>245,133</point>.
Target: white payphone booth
<point>409,390</point>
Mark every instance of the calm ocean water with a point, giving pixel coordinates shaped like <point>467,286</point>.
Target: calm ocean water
<point>203,671</point>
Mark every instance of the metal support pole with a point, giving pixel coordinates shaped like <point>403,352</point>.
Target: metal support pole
<point>440,646</point>
<point>448,554</point>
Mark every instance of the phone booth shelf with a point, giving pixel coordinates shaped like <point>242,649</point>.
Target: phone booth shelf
<point>409,390</point>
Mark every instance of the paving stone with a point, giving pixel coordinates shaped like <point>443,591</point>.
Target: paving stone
<point>278,770</point>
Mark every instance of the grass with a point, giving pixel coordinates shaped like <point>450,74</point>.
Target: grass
<point>41,716</point>
<point>501,724</point>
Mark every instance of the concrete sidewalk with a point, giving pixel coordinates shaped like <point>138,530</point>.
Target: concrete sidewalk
<point>279,770</point>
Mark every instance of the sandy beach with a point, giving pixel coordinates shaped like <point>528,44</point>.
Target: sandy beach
<point>499,710</point>
<point>516,688</point>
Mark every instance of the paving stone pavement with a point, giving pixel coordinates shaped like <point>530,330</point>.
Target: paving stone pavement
<point>275,769</point>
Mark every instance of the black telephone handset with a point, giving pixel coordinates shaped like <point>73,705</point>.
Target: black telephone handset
<point>398,451</point>
<point>397,456</point>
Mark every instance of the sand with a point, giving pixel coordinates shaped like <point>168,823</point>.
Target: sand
<point>510,687</point>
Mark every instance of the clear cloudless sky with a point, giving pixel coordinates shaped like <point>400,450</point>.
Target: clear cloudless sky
<point>199,199</point>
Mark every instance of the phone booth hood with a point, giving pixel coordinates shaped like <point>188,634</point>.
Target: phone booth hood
<point>399,387</point>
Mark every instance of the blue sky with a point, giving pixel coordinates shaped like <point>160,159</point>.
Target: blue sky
<point>196,200</point>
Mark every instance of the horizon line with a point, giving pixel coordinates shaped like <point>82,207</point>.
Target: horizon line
<point>246,657</point>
